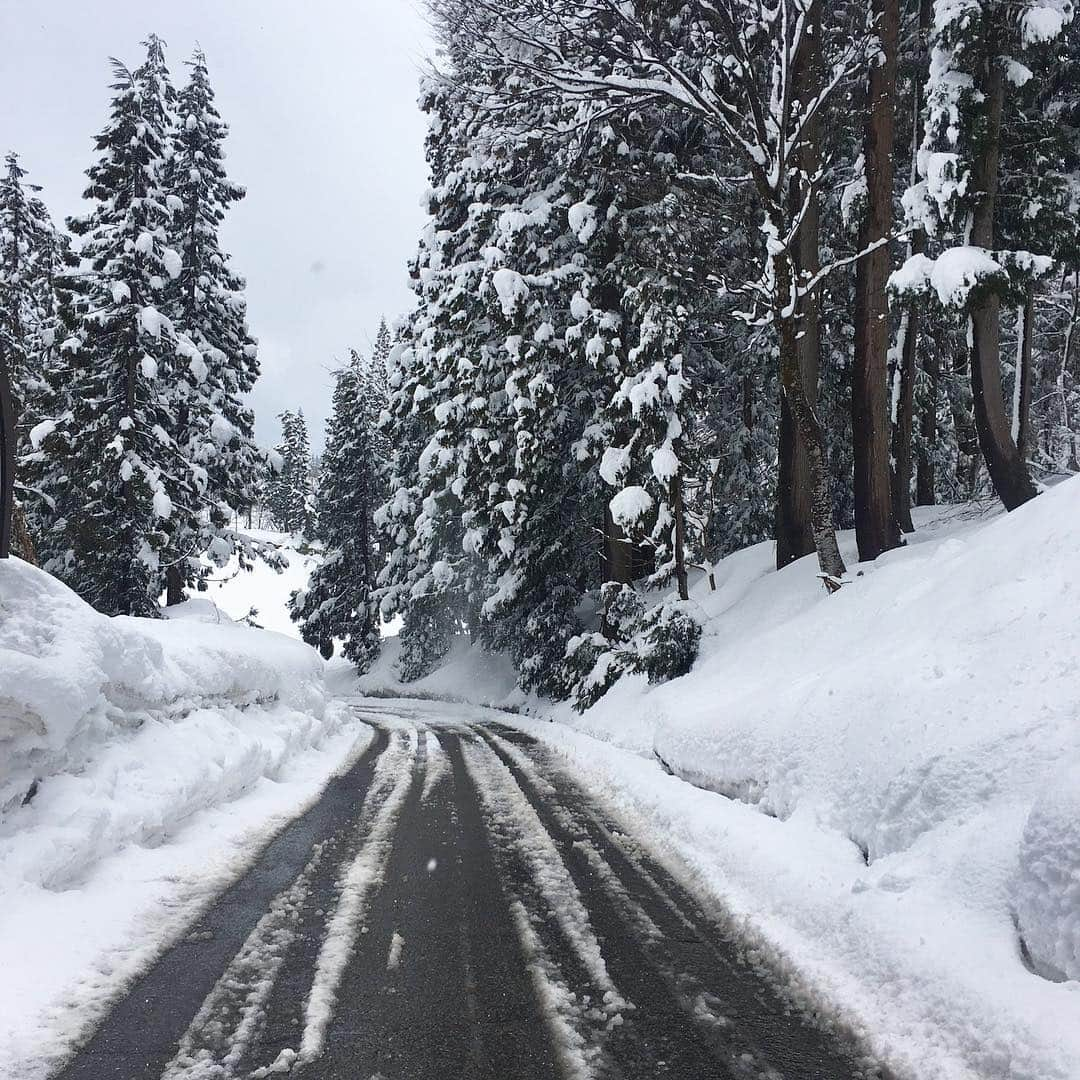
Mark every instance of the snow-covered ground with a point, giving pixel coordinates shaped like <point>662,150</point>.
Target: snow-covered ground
<point>142,764</point>
<point>883,785</point>
<point>237,591</point>
<point>467,675</point>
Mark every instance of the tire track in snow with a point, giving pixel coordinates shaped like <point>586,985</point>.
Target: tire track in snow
<point>459,1003</point>
<point>361,877</point>
<point>578,997</point>
<point>140,1037</point>
<point>233,1015</point>
<point>696,990</point>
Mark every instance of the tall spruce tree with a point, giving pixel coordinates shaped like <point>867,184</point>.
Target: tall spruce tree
<point>113,469</point>
<point>339,600</point>
<point>30,253</point>
<point>971,98</point>
<point>213,424</point>
<point>290,499</point>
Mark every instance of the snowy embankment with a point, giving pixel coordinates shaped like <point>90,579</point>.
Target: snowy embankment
<point>261,588</point>
<point>883,786</point>
<point>468,675</point>
<point>142,763</point>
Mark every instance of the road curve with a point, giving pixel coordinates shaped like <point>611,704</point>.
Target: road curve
<point>454,906</point>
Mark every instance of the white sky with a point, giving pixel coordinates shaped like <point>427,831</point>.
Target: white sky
<point>320,96</point>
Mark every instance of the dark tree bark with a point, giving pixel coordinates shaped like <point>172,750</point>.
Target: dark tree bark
<point>794,498</point>
<point>1008,470</point>
<point>876,528</point>
<point>680,537</point>
<point>925,475</point>
<point>618,552</point>
<point>7,458</point>
<point>22,544</point>
<point>174,586</point>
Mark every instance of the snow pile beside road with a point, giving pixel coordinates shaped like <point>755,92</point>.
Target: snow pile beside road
<point>887,781</point>
<point>142,764</point>
<point>73,682</point>
<point>467,675</point>
<point>1048,886</point>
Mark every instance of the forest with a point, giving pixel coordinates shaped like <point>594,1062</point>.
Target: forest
<point>697,274</point>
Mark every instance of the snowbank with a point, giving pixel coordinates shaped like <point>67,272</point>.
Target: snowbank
<point>1048,885</point>
<point>72,680</point>
<point>885,783</point>
<point>467,675</point>
<point>142,764</point>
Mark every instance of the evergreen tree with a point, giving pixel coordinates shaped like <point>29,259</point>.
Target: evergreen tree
<point>971,95</point>
<point>213,426</point>
<point>338,601</point>
<point>113,469</point>
<point>290,499</point>
<point>30,253</point>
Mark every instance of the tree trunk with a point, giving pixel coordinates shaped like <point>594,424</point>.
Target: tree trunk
<point>618,552</point>
<point>22,544</point>
<point>903,390</point>
<point>174,586</point>
<point>1023,377</point>
<point>809,428</point>
<point>876,528</point>
<point>794,498</point>
<point>925,476</point>
<point>1008,470</point>
<point>1066,350</point>
<point>680,537</point>
<point>7,458</point>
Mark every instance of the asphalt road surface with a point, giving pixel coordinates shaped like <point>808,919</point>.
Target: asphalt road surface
<point>454,907</point>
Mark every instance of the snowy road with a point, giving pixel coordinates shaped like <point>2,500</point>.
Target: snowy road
<point>454,906</point>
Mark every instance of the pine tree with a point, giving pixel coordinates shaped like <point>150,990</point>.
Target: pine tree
<point>214,426</point>
<point>30,252</point>
<point>113,468</point>
<point>338,602</point>
<point>290,499</point>
<point>30,255</point>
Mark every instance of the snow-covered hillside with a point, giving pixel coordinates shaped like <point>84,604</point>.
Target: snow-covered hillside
<point>142,762</point>
<point>881,784</point>
<point>236,592</point>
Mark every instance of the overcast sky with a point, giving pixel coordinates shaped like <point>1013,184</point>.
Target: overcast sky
<point>320,96</point>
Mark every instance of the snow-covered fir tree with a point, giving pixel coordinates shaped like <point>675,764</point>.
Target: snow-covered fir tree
<point>978,69</point>
<point>213,423</point>
<point>290,498</point>
<point>113,473</point>
<point>31,254</point>
<point>339,603</point>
